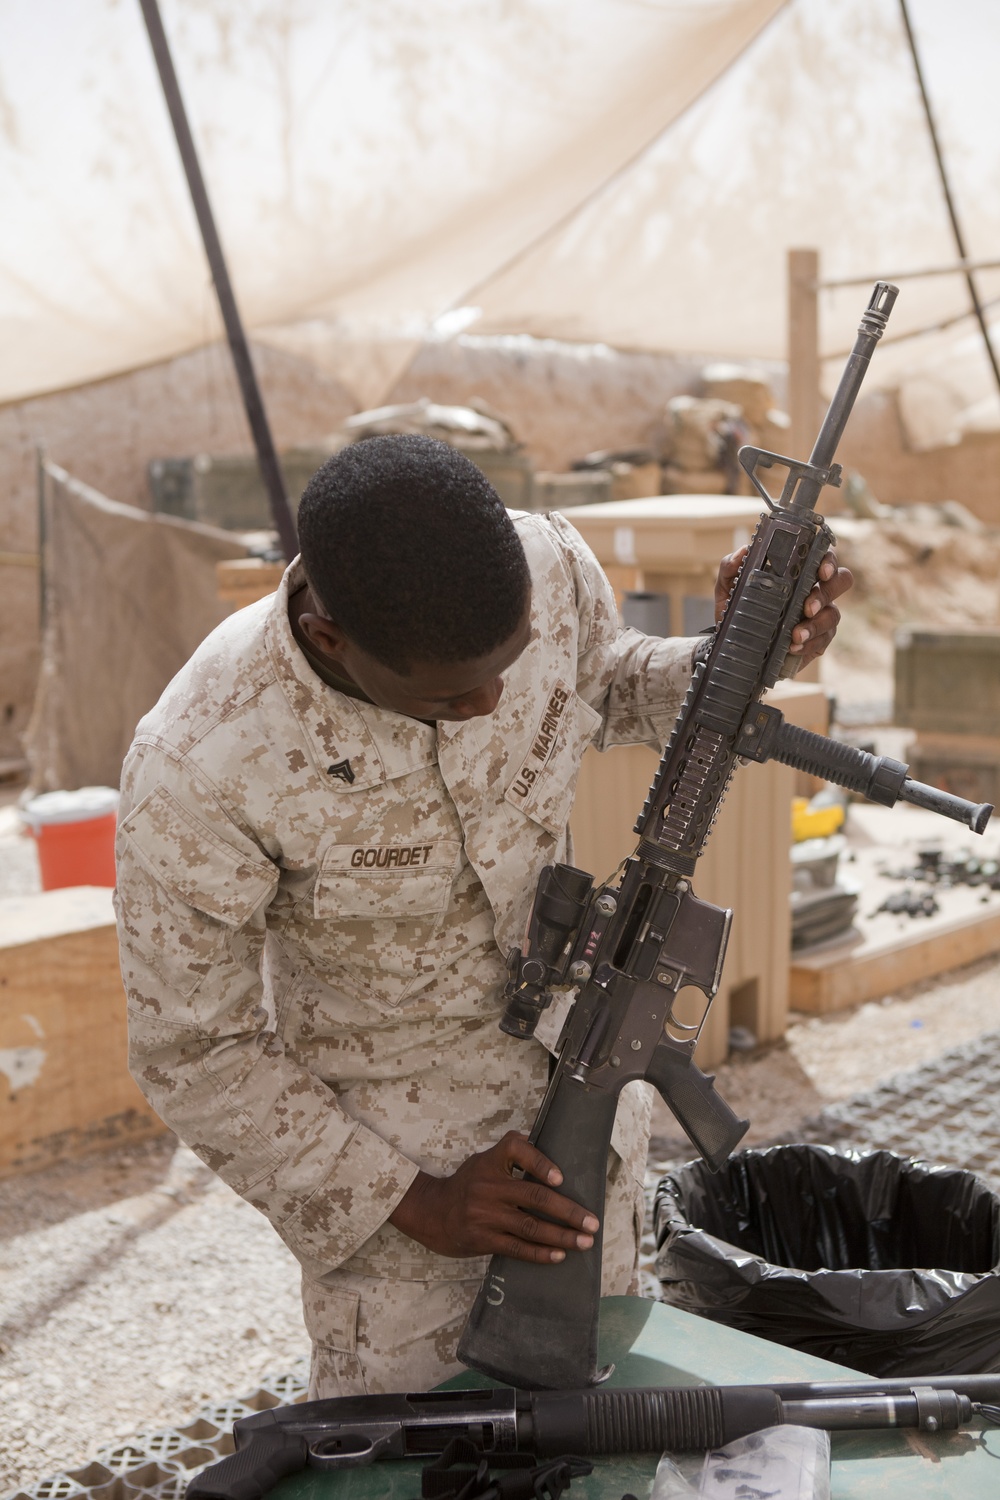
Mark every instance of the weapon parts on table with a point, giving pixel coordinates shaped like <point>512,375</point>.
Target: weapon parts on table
<point>347,1431</point>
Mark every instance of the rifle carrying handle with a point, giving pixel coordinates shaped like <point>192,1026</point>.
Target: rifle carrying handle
<point>251,1472</point>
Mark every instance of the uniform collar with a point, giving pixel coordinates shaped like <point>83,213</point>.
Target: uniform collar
<point>354,744</point>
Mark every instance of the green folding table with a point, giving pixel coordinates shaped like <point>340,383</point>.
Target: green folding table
<point>655,1345</point>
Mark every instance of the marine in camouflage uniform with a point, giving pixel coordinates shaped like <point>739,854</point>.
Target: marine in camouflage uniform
<point>315,899</point>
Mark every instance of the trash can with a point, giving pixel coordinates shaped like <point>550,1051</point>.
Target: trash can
<point>877,1261</point>
<point>75,833</point>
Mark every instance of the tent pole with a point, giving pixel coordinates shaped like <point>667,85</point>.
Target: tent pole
<point>43,536</point>
<point>253,401</point>
<point>946,188</point>
<point>803,350</point>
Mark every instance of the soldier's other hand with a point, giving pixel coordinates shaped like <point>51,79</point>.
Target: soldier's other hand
<point>728,569</point>
<point>484,1209</point>
<point>820,617</point>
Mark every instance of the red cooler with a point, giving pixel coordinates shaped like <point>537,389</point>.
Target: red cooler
<point>75,832</point>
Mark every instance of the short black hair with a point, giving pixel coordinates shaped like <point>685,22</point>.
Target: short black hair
<point>408,548</point>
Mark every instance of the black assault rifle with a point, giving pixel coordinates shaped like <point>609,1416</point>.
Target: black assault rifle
<point>347,1431</point>
<point>632,943</point>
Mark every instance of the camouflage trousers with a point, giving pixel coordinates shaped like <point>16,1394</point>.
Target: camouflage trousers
<point>371,1334</point>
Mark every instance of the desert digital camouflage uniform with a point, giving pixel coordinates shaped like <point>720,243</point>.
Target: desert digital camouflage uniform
<point>315,897</point>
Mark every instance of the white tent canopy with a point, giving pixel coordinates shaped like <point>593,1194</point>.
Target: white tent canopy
<point>625,171</point>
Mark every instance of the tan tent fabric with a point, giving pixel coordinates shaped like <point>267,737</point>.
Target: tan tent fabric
<point>627,171</point>
<point>815,137</point>
<point>369,159</point>
<point>129,596</point>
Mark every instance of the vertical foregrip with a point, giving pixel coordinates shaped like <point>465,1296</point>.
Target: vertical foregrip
<point>649,1421</point>
<point>820,756</point>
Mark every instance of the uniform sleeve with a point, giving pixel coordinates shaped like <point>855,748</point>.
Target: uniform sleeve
<point>636,682</point>
<point>192,896</point>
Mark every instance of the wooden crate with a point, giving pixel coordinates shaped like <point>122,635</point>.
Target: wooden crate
<point>670,544</point>
<point>948,681</point>
<point>746,866</point>
<point>244,580</point>
<point>826,981</point>
<point>66,1085</point>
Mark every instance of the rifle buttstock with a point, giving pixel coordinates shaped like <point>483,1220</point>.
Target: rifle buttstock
<point>536,1325</point>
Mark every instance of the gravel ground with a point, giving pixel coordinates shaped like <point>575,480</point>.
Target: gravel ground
<point>136,1287</point>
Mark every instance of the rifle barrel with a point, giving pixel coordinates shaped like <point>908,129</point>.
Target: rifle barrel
<point>872,327</point>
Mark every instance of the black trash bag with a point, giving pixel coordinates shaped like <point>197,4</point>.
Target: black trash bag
<point>873,1260</point>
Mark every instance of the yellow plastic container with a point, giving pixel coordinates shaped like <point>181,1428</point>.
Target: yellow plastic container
<point>814,822</point>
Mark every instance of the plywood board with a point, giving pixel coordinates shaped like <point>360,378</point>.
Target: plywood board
<point>244,580</point>
<point>65,1088</point>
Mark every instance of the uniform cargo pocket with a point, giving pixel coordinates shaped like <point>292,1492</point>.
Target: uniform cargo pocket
<point>331,1319</point>
<point>378,914</point>
<point>330,1314</point>
<point>227,881</point>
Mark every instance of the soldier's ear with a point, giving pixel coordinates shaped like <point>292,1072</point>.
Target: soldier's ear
<point>322,634</point>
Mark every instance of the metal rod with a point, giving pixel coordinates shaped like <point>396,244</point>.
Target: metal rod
<point>946,188</point>
<point>953,270</point>
<point>253,401</point>
<point>973,815</point>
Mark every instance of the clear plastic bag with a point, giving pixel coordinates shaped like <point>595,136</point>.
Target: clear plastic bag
<point>779,1463</point>
<point>669,1482</point>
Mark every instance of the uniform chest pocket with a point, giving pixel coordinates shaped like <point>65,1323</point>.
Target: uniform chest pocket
<point>379,911</point>
<point>394,882</point>
<point>544,784</point>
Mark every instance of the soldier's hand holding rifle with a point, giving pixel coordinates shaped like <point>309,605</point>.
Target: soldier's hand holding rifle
<point>820,617</point>
<point>482,1208</point>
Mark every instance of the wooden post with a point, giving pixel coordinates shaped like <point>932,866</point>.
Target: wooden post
<point>803,351</point>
